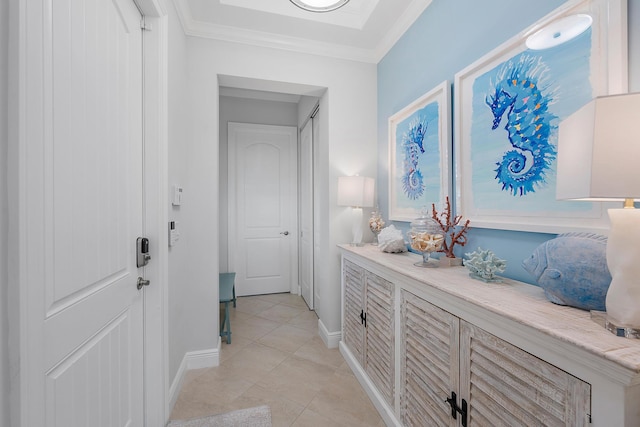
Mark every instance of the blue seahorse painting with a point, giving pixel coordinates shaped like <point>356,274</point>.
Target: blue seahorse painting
<point>412,147</point>
<point>521,97</point>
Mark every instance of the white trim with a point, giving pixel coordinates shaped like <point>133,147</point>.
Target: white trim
<point>331,339</point>
<point>192,360</point>
<point>193,27</point>
<point>20,410</point>
<point>401,26</point>
<point>156,355</point>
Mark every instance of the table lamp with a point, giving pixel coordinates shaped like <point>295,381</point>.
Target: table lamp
<point>357,192</point>
<point>598,160</point>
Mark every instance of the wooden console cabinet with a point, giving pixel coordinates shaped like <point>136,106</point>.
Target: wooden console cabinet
<point>368,326</point>
<point>494,354</point>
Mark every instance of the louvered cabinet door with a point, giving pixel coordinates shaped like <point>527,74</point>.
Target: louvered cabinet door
<point>506,386</point>
<point>379,354</point>
<point>429,362</point>
<point>353,329</point>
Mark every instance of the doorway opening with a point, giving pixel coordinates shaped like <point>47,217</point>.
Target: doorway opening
<point>266,106</point>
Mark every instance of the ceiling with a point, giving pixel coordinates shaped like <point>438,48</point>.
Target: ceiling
<point>362,30</point>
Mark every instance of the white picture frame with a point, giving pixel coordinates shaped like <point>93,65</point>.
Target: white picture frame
<point>420,166</point>
<point>484,193</point>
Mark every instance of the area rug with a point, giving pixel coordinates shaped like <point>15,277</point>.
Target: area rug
<point>260,416</point>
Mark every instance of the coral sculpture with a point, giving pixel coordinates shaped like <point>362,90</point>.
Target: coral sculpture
<point>483,265</point>
<point>455,234</point>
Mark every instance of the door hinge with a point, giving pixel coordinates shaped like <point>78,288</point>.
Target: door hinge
<point>455,409</point>
<point>144,25</point>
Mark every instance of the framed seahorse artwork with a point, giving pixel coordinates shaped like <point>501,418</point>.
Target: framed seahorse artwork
<point>419,161</point>
<point>508,107</point>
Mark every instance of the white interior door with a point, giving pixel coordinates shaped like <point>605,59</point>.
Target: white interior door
<point>306,214</point>
<point>82,205</point>
<point>262,207</point>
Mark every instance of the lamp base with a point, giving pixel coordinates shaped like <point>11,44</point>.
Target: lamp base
<point>623,253</point>
<point>621,331</point>
<point>601,318</point>
<point>357,227</point>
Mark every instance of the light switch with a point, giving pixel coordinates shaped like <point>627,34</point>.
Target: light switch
<point>176,199</point>
<point>174,234</point>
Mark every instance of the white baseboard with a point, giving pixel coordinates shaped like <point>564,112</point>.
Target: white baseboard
<point>385,411</point>
<point>192,360</point>
<point>331,339</point>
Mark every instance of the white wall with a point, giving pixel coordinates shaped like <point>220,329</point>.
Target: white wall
<point>348,143</point>
<point>191,297</point>
<point>4,213</point>
<point>244,110</point>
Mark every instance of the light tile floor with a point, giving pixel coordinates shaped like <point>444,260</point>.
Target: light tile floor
<point>277,358</point>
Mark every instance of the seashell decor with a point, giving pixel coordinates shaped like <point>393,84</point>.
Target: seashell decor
<point>483,265</point>
<point>425,242</point>
<point>376,224</point>
<point>390,240</point>
<point>425,237</point>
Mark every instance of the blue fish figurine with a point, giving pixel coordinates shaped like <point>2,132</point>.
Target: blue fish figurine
<point>572,270</point>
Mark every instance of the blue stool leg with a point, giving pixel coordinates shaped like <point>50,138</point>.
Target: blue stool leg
<point>226,315</point>
<point>234,295</point>
<point>226,321</point>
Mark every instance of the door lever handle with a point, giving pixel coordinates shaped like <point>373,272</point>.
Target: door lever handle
<point>286,233</point>
<point>142,282</point>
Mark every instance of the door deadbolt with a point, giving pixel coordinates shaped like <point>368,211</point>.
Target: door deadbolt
<point>142,282</point>
<point>142,252</point>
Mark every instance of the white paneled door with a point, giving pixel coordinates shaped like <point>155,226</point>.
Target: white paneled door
<point>262,207</point>
<point>82,189</point>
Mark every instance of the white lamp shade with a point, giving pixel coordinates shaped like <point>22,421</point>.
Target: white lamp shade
<point>599,150</point>
<point>355,191</point>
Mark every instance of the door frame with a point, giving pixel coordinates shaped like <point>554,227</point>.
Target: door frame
<point>231,207</point>
<point>22,300</point>
<point>155,119</point>
<point>307,164</point>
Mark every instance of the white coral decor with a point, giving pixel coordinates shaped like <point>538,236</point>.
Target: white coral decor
<point>390,240</point>
<point>483,265</point>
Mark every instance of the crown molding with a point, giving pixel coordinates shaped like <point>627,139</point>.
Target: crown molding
<point>277,41</point>
<point>192,27</point>
<point>401,26</point>
<point>354,14</point>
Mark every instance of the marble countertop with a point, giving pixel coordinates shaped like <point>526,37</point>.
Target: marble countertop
<point>520,302</point>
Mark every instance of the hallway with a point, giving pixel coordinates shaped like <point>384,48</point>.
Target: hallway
<point>277,358</point>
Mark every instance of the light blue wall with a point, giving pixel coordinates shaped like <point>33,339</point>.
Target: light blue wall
<point>447,37</point>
